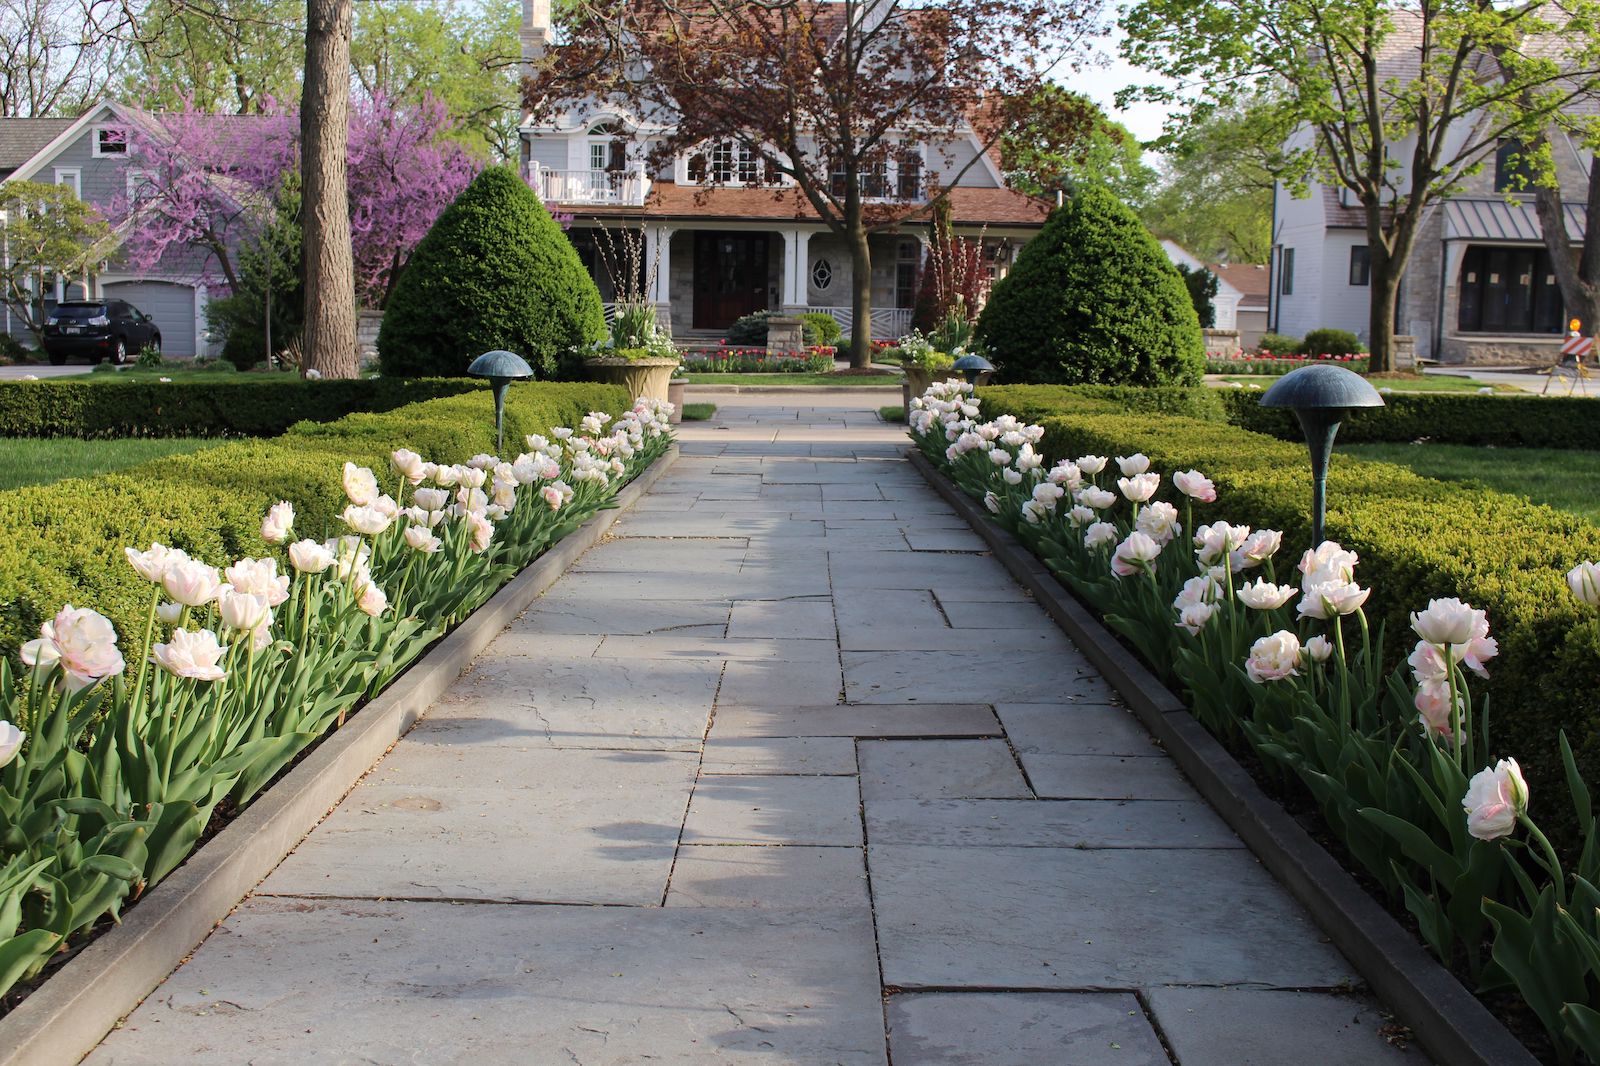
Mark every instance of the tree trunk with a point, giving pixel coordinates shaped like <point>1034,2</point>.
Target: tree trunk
<point>860,297</point>
<point>1385,287</point>
<point>329,266</point>
<point>1578,276</point>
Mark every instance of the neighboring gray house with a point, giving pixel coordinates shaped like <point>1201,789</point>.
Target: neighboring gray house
<point>88,154</point>
<point>1479,287</point>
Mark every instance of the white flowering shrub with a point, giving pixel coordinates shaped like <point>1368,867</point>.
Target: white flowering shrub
<point>115,754</point>
<point>1281,658</point>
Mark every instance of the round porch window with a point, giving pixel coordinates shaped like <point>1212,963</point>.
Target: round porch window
<point>822,274</point>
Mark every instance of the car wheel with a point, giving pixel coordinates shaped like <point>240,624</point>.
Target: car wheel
<point>119,355</point>
<point>58,358</point>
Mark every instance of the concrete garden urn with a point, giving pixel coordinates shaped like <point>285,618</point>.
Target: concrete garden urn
<point>676,387</point>
<point>647,376</point>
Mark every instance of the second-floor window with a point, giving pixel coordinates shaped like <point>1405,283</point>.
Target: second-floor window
<point>896,178</point>
<point>109,140</point>
<point>731,163</point>
<point>607,149</point>
<point>1360,265</point>
<point>1286,273</point>
<point>1512,170</point>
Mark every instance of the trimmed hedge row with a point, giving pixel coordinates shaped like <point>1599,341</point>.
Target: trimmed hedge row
<point>201,408</point>
<point>1503,421</point>
<point>1417,538</point>
<point>62,543</point>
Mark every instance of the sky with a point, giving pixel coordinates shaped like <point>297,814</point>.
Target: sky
<point>1101,82</point>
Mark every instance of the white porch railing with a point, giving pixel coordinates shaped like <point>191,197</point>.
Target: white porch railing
<point>888,323</point>
<point>626,188</point>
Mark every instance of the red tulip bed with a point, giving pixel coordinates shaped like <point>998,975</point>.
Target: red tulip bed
<point>1268,363</point>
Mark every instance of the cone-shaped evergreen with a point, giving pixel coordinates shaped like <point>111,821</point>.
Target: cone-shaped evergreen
<point>495,271</point>
<point>1093,299</point>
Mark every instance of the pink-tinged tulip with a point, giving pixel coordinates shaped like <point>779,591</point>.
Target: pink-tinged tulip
<point>1433,709</point>
<point>1097,498</point>
<point>1584,581</point>
<point>1427,664</point>
<point>1332,598</point>
<point>386,506</point>
<point>409,465</point>
<point>991,501</point>
<point>1091,464</point>
<point>1274,658</point>
<point>1133,465</point>
<point>259,577</point>
<point>1194,616</point>
<point>1012,476</point>
<point>1139,487</point>
<point>1196,486</point>
<point>360,484</point>
<point>1495,798</point>
<point>373,600</point>
<point>1256,549</point>
<point>505,494</point>
<point>1080,515</point>
<point>1134,555</point>
<point>1159,522</point>
<point>1448,621</point>
<point>1327,562</point>
<point>999,456</point>
<point>422,539</point>
<point>367,520</point>
<point>152,565</point>
<point>482,531</point>
<point>482,461</point>
<point>552,496</point>
<point>279,522</point>
<point>169,613</point>
<point>1217,540</point>
<point>309,557</point>
<point>1319,648</point>
<point>446,477</point>
<point>192,583</point>
<point>1202,589</point>
<point>431,499</point>
<point>192,654</point>
<point>242,610</point>
<point>1263,595</point>
<point>11,739</point>
<point>1066,473</point>
<point>82,642</point>
<point>1099,534</point>
<point>470,477</point>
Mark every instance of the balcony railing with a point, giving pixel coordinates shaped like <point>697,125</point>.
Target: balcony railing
<point>624,188</point>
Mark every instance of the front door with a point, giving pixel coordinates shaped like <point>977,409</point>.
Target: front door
<point>730,277</point>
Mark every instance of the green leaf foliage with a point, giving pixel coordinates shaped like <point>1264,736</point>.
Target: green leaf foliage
<point>196,407</point>
<point>64,542</point>
<point>1442,418</point>
<point>1093,300</point>
<point>1417,538</point>
<point>495,271</point>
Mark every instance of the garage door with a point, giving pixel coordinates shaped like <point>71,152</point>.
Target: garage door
<point>172,306</point>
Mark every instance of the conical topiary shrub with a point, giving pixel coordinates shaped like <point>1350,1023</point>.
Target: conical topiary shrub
<point>1093,299</point>
<point>495,271</point>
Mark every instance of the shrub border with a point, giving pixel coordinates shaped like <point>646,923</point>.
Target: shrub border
<point>67,1017</point>
<point>1450,1023</point>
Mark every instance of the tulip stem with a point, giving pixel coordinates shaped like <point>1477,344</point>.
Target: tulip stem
<point>1455,701</point>
<point>1551,862</point>
<point>144,655</point>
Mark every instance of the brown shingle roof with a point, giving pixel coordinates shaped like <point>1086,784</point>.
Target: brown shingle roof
<point>969,206</point>
<point>22,138</point>
<point>1248,278</point>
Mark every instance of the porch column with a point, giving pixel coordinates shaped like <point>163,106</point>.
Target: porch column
<point>795,262</point>
<point>658,268</point>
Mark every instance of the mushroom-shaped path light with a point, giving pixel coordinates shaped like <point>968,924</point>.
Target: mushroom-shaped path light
<point>1321,397</point>
<point>501,368</point>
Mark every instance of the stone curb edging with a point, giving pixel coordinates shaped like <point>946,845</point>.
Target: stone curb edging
<point>67,1017</point>
<point>786,390</point>
<point>1450,1023</point>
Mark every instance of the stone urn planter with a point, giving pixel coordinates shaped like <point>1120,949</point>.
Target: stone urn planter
<point>916,383</point>
<point>676,387</point>
<point>641,377</point>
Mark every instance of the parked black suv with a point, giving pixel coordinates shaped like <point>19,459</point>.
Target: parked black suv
<point>98,329</point>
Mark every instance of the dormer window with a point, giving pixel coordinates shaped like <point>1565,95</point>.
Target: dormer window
<point>109,141</point>
<point>730,163</point>
<point>608,147</point>
<point>1513,170</point>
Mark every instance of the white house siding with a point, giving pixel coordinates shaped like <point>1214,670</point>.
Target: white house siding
<point>947,159</point>
<point>1343,306</point>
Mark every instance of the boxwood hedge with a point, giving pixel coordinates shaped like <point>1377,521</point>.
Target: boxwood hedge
<point>197,406</point>
<point>1417,538</point>
<point>62,543</point>
<point>1503,421</point>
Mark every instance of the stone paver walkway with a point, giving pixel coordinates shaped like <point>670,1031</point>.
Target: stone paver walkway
<point>786,771</point>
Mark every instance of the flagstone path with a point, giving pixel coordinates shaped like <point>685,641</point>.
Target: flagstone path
<point>786,770</point>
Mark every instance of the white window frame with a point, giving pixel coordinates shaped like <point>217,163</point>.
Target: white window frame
<point>62,174</point>
<point>136,177</point>
<point>742,157</point>
<point>95,134</point>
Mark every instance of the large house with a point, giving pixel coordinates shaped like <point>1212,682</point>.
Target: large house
<point>89,154</point>
<point>1242,294</point>
<point>1478,289</point>
<point>723,239</point>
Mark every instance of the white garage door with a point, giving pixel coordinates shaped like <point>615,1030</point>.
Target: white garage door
<point>172,306</point>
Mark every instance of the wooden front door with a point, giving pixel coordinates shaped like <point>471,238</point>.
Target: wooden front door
<point>730,277</point>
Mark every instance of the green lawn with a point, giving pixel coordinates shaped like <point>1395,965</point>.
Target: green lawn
<point>1569,480</point>
<point>848,381</point>
<point>1400,383</point>
<point>698,412</point>
<point>892,414</point>
<point>31,461</point>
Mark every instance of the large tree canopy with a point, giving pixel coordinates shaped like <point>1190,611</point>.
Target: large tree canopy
<point>1395,102</point>
<point>824,100</point>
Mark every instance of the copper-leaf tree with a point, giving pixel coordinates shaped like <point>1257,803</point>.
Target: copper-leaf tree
<point>329,267</point>
<point>823,101</point>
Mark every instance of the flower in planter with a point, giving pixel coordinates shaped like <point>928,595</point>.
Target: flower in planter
<point>1319,649</point>
<point>360,485</point>
<point>1432,702</point>
<point>1097,535</point>
<point>1080,515</point>
<point>1192,617</point>
<point>1139,487</point>
<point>1160,522</point>
<point>411,466</point>
<point>1133,465</point>
<point>1256,549</point>
<point>82,642</point>
<point>279,522</point>
<point>243,611</point>
<point>1262,595</point>
<point>259,577</point>
<point>309,557</point>
<point>1195,485</point>
<point>372,600</point>
<point>1495,798</point>
<point>368,521</point>
<point>1446,621</point>
<point>191,582</point>
<point>1091,464</point>
<point>1274,658</point>
<point>1328,599</point>
<point>1215,541</point>
<point>152,564</point>
<point>194,654</point>
<point>1134,555</point>
<point>1096,497</point>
